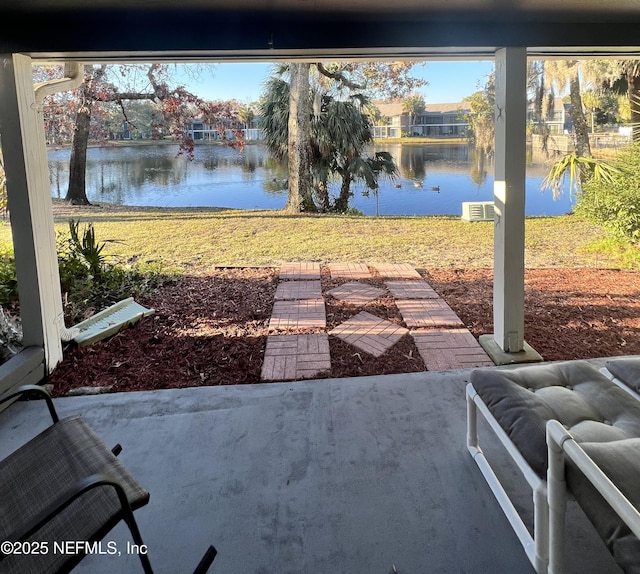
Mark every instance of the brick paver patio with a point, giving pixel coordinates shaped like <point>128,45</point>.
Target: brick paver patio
<point>356,293</point>
<point>299,290</point>
<point>288,357</point>
<point>411,289</point>
<point>349,270</point>
<point>300,270</point>
<point>444,349</point>
<point>369,333</point>
<point>299,305</point>
<point>427,313</point>
<point>302,314</point>
<point>396,270</point>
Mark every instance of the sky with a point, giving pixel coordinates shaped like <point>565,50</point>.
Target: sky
<point>449,82</point>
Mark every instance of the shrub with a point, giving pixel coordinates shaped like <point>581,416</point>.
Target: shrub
<point>615,203</point>
<point>8,281</point>
<point>88,282</point>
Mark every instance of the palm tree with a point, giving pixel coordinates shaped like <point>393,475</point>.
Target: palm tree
<point>414,105</point>
<point>382,79</point>
<point>622,77</point>
<point>246,115</point>
<point>559,73</point>
<point>338,136</point>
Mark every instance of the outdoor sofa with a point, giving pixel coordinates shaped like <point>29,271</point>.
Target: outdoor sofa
<point>569,428</point>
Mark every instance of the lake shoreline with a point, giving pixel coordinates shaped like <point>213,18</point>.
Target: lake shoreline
<point>434,179</point>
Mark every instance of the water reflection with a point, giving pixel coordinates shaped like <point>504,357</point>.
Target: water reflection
<point>434,179</point>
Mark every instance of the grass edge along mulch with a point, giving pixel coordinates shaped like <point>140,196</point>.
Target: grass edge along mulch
<point>195,240</point>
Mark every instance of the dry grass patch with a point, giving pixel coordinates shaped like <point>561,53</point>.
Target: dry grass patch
<point>199,239</point>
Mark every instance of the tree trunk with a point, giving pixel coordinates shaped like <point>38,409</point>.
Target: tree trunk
<point>342,202</point>
<point>300,187</point>
<point>583,149</point>
<point>77,193</point>
<point>322,196</point>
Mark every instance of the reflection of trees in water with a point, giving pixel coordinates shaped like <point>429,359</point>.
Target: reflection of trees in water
<point>59,178</point>
<point>132,174</point>
<point>479,162</point>
<point>413,161</point>
<point>277,172</point>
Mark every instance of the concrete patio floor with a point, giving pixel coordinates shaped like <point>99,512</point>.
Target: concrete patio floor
<point>325,476</point>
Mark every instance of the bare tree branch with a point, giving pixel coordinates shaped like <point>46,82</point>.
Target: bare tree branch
<point>339,77</point>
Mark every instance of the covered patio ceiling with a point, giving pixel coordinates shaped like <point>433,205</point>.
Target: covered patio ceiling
<point>277,29</point>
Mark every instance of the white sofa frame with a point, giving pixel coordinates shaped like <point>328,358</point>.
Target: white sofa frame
<point>536,546</point>
<point>561,446</point>
<point>545,548</point>
<point>615,380</point>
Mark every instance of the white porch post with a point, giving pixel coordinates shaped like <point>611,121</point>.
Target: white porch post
<point>507,344</point>
<point>509,195</point>
<point>29,195</point>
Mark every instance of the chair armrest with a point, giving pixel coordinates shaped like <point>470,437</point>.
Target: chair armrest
<point>561,442</point>
<point>36,389</point>
<point>63,501</point>
<point>206,561</point>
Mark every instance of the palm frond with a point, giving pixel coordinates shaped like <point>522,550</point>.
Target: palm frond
<point>577,169</point>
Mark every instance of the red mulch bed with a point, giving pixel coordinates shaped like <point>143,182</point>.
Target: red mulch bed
<point>211,330</point>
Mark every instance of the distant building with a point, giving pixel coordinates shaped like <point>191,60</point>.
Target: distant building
<point>557,119</point>
<point>438,120</point>
<point>199,130</point>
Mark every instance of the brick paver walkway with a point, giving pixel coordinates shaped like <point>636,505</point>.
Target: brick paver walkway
<point>427,313</point>
<point>289,357</point>
<point>299,290</point>
<point>349,270</point>
<point>439,335</point>
<point>369,333</point>
<point>443,349</point>
<point>396,271</point>
<point>302,314</point>
<point>300,270</point>
<point>411,289</point>
<point>356,293</point>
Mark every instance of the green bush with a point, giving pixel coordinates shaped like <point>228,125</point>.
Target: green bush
<point>8,281</point>
<point>615,203</point>
<point>88,282</point>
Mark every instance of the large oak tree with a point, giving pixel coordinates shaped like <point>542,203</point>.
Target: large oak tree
<point>121,85</point>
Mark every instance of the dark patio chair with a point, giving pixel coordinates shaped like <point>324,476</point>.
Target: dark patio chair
<point>65,485</point>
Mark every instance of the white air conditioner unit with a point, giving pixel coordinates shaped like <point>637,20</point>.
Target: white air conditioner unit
<point>478,210</point>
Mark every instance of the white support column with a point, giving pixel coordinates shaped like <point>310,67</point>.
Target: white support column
<point>509,195</point>
<point>507,345</point>
<point>29,195</point>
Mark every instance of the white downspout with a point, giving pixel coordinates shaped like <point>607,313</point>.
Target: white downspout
<point>73,77</point>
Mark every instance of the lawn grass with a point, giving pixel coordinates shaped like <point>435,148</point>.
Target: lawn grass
<point>194,240</point>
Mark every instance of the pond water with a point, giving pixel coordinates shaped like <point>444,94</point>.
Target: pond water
<point>434,179</point>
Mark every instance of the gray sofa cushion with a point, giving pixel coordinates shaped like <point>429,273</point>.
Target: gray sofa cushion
<point>603,418</point>
<point>574,392</point>
<point>621,462</point>
<point>627,370</point>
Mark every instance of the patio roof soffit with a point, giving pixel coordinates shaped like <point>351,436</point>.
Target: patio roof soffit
<point>271,30</point>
